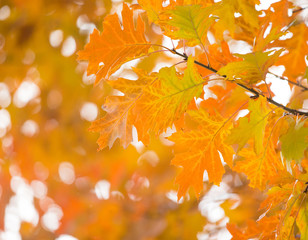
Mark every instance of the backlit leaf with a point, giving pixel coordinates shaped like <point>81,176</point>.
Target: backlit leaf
<point>197,151</point>
<point>227,20</point>
<point>294,142</point>
<point>297,47</point>
<point>260,168</point>
<point>252,126</point>
<point>189,22</point>
<point>126,43</point>
<point>118,121</point>
<point>165,101</point>
<point>302,219</point>
<point>252,69</point>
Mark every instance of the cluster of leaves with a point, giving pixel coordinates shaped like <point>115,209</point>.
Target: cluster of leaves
<point>202,93</point>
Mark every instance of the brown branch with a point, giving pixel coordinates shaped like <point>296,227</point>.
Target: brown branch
<point>252,90</point>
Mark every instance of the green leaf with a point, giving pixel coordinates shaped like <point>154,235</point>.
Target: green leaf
<point>251,127</point>
<point>294,142</point>
<point>190,22</point>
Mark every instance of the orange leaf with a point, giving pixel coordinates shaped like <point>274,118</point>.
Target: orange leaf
<point>219,56</point>
<point>263,229</point>
<point>260,168</point>
<point>298,49</point>
<point>118,121</point>
<point>115,45</point>
<point>197,151</point>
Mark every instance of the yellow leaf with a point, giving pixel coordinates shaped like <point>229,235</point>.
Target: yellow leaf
<point>294,142</point>
<point>115,45</point>
<point>227,21</point>
<point>252,69</point>
<point>302,219</point>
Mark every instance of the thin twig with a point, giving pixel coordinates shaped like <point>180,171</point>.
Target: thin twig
<point>291,82</point>
<point>252,90</point>
<point>298,10</point>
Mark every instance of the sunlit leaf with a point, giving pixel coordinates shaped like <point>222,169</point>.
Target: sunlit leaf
<point>251,126</point>
<point>126,43</point>
<point>294,142</point>
<point>197,151</point>
<point>252,69</point>
<point>189,22</point>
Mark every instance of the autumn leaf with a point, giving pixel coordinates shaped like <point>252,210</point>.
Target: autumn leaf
<point>262,42</point>
<point>302,218</point>
<point>119,119</point>
<point>252,69</point>
<point>152,7</point>
<point>252,127</point>
<point>228,21</point>
<point>197,151</point>
<point>189,22</point>
<point>297,50</point>
<point>124,45</point>
<point>281,17</point>
<point>263,229</point>
<point>222,57</point>
<point>294,142</point>
<point>260,168</point>
<point>165,101</point>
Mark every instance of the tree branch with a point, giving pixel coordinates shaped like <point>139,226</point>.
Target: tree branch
<point>252,90</point>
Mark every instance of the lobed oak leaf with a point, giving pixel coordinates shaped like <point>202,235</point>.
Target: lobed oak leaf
<point>189,22</point>
<point>153,8</point>
<point>278,14</point>
<point>118,121</point>
<point>114,46</point>
<point>297,50</point>
<point>197,150</point>
<point>260,168</point>
<point>248,21</point>
<point>252,126</point>
<point>252,69</point>
<point>165,101</point>
<point>227,98</point>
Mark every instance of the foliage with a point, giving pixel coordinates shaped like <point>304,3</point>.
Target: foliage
<point>183,102</point>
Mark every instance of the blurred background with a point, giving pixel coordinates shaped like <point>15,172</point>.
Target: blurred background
<point>53,182</point>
